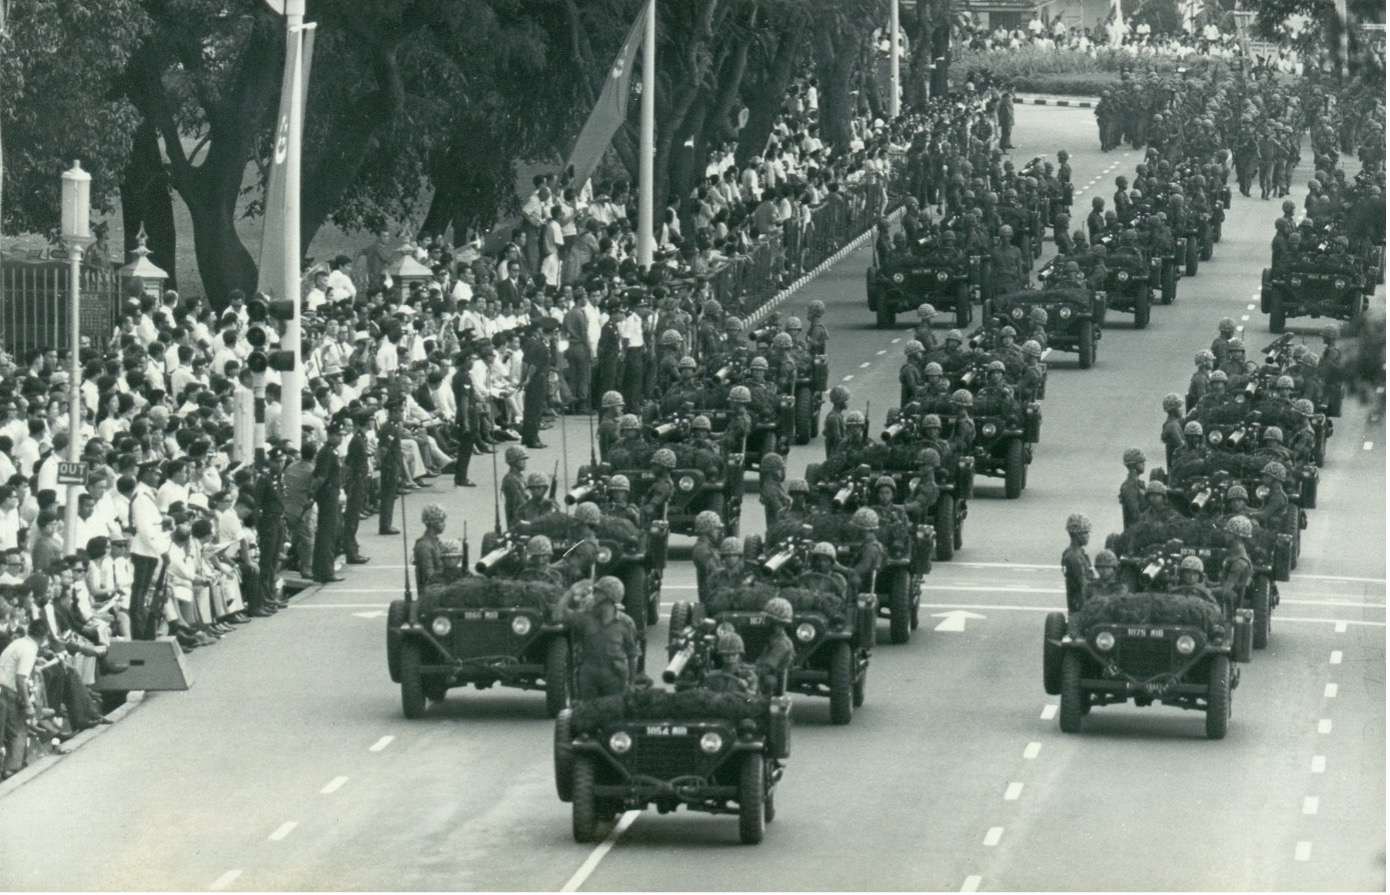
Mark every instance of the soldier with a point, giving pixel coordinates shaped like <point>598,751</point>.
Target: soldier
<point>705,454</point>
<point>1235,365</point>
<point>871,555</point>
<point>1197,386</point>
<point>1303,442</point>
<point>996,393</point>
<point>1095,221</point>
<point>793,329</point>
<point>390,464</point>
<point>1190,458</point>
<point>631,451</point>
<point>1172,432</point>
<point>1132,491</point>
<point>1031,380</point>
<point>1236,568</point>
<point>776,659</point>
<point>1272,446</point>
<point>1007,349</point>
<point>798,492</point>
<point>923,492</point>
<point>910,379</point>
<point>733,573</point>
<point>707,333</point>
<point>536,565</point>
<point>740,422</point>
<point>954,356</point>
<point>1037,327</point>
<point>923,333</point>
<point>687,389</point>
<point>1192,579</point>
<point>514,494</point>
<point>1215,397</point>
<point>1157,510</point>
<point>855,432</point>
<point>732,674</point>
<point>822,577</point>
<point>816,334</point>
<point>1007,264</point>
<point>659,493</point>
<point>618,491</point>
<point>429,553</point>
<point>1237,499</point>
<point>782,363</point>
<point>579,561</point>
<point>611,410</point>
<point>833,426</point>
<point>1276,502</point>
<point>538,504</point>
<point>327,484</point>
<point>1076,564</point>
<point>1226,328</point>
<point>606,638</point>
<point>963,434</point>
<point>771,472</point>
<point>670,348</point>
<point>709,531</point>
<point>1107,582</point>
<point>885,492</point>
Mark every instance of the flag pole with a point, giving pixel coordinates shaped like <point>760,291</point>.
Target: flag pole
<point>894,60</point>
<point>647,141</point>
<point>292,381</point>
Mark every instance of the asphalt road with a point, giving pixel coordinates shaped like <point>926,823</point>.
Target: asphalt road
<point>290,766</point>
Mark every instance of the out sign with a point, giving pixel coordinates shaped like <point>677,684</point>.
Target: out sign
<point>72,473</point>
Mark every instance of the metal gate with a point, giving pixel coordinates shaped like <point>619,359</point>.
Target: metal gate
<point>34,304</point>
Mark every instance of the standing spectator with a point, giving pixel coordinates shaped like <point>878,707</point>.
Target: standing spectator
<point>327,486</point>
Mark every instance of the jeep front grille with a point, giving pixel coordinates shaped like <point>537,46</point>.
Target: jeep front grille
<point>666,758</point>
<point>483,637</point>
<point>1144,658</point>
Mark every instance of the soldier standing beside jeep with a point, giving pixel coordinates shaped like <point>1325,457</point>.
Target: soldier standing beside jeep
<point>606,638</point>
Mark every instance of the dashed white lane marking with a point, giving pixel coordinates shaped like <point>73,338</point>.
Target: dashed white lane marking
<point>1049,711</point>
<point>1303,851</point>
<point>381,744</point>
<point>1310,805</point>
<point>1013,792</point>
<point>864,366</point>
<point>1340,627</point>
<point>1319,764</point>
<point>993,836</point>
<point>1368,445</point>
<point>283,830</point>
<point>881,353</point>
<point>1244,318</point>
<point>848,378</point>
<point>1325,725</point>
<point>895,341</point>
<point>1335,658</point>
<point>591,863</point>
<point>333,786</point>
<point>971,884</point>
<point>1329,692</point>
<point>1031,750</point>
<point>1249,307</point>
<point>224,880</point>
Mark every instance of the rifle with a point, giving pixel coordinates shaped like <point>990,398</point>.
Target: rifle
<point>555,480</point>
<point>496,502</point>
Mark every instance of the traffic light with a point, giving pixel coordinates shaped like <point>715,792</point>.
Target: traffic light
<point>282,309</point>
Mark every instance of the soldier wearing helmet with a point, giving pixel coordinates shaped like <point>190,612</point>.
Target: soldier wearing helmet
<point>1158,511</point>
<point>1272,446</point>
<point>1076,563</point>
<point>632,450</point>
<point>931,437</point>
<point>910,375</point>
<point>1301,440</point>
<point>609,647</point>
<point>762,393</point>
<point>823,575</point>
<point>658,496</point>
<point>514,483</point>
<point>670,349</point>
<point>1236,568</point>
<point>610,411</point>
<point>709,532</point>
<point>733,573</point>
<point>885,493</point>
<point>1225,330</point>
<point>1007,349</point>
<point>816,334</point>
<point>833,426</point>
<point>1197,386</point>
<point>776,659</point>
<point>619,503</point>
<point>1107,581</point>
<point>996,392</point>
<point>538,502</point>
<point>923,332</point>
<point>1037,327</point>
<point>1132,491</point>
<point>1009,267</point>
<point>1215,397</point>
<point>772,471</point>
<point>798,492</point>
<point>1171,434</point>
<point>730,673</point>
<point>1235,364</point>
<point>1237,504</point>
<point>1276,502</point>
<point>1030,383</point>
<point>705,454</point>
<point>536,565</point>
<point>1192,578</point>
<point>869,550</point>
<point>740,425</point>
<point>429,553</point>
<point>963,431</point>
<point>856,428</point>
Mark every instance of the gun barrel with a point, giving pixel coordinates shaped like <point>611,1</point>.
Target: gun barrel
<point>578,494</point>
<point>892,431</point>
<point>491,559</point>
<point>666,429</point>
<point>1201,498</point>
<point>842,496</point>
<point>1152,569</point>
<point>676,666</point>
<point>778,559</point>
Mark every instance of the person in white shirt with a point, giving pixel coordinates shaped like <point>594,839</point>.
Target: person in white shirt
<point>9,518</point>
<point>175,489</point>
<point>317,297</point>
<point>340,281</point>
<point>388,358</point>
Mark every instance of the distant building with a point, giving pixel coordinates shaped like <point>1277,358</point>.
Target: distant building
<point>1012,14</point>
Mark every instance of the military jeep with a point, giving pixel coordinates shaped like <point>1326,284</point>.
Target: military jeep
<point>1313,289</point>
<point>1128,284</point>
<point>904,283</point>
<point>1074,316</point>
<point>696,490</point>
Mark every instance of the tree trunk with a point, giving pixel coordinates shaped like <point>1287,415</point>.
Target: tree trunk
<point>836,106</point>
<point>224,263</point>
<point>145,201</point>
<point>941,50</point>
<point>764,98</point>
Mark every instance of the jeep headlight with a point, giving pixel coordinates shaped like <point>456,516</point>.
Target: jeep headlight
<point>521,625</point>
<point>1214,437</point>
<point>1064,313</point>
<point>1016,313</point>
<point>620,742</point>
<point>441,626</point>
<point>1122,276</point>
<point>805,632</point>
<point>711,742</point>
<point>605,555</point>
<point>1262,492</point>
<point>942,275</point>
<point>897,278</point>
<point>1186,645</point>
<point>1105,641</point>
<point>1339,283</point>
<point>990,430</point>
<point>687,483</point>
<point>1295,281</point>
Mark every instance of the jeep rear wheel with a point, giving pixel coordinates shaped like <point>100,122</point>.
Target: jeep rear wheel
<point>841,684</point>
<point>803,414</point>
<point>945,523</point>
<point>1193,251</point>
<point>886,315</point>
<point>1086,343</point>
<point>1168,290</point>
<point>1069,716</point>
<point>412,686</point>
<point>964,310</point>
<point>1142,303</point>
<point>634,580</point>
<point>1218,698</point>
<point>1013,471</point>
<point>1259,603</point>
<point>583,815</point>
<point>1054,627</point>
<point>557,675</point>
<point>752,790</point>
<point>564,758</point>
<point>899,608</point>
<point>1276,311</point>
<point>395,617</point>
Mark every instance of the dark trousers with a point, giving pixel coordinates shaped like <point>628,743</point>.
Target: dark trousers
<point>352,515</point>
<point>464,434</point>
<point>270,539</point>
<point>326,538</point>
<point>634,377</point>
<point>64,687</point>
<point>532,409</point>
<point>14,732</point>
<point>390,488</point>
<point>581,371</point>
<point>143,618</point>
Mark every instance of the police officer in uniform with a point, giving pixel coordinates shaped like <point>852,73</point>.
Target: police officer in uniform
<point>328,482</point>
<point>357,475</point>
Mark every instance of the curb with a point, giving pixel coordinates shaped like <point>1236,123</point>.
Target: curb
<point>1076,102</point>
<point>134,699</point>
<point>768,307</point>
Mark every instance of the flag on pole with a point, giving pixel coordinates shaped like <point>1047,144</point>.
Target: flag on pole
<point>294,90</point>
<point>610,111</point>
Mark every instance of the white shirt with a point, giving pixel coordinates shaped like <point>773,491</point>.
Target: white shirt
<point>387,359</point>
<point>151,540</point>
<point>343,287</point>
<point>630,329</point>
<point>18,661</point>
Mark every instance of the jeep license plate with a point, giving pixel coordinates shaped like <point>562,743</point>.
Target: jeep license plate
<point>666,730</point>
<point>486,614</point>
<point>1144,632</point>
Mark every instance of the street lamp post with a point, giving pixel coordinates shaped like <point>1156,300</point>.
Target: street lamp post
<point>77,234</point>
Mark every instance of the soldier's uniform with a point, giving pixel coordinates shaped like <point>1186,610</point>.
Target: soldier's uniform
<point>737,678</point>
<point>823,582</point>
<point>870,560</point>
<point>833,430</point>
<point>514,495</point>
<point>705,555</point>
<point>542,572</point>
<point>774,662</point>
<point>1132,500</point>
<point>1078,574</point>
<point>658,496</point>
<point>728,578</point>
<point>607,434</point>
<point>606,652</point>
<point>536,508</point>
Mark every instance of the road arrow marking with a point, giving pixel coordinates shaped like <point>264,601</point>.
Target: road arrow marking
<point>954,620</point>
<point>377,614</point>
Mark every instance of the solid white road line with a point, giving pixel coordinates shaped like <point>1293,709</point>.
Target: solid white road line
<point>333,786</point>
<point>381,744</point>
<point>1325,725</point>
<point>1013,792</point>
<point>1335,658</point>
<point>1329,692</point>
<point>993,836</point>
<point>1303,851</point>
<point>1319,764</point>
<point>971,884</point>
<point>1031,750</point>
<point>283,830</point>
<point>225,880</point>
<point>591,863</point>
<point>1310,805</point>
<point>1049,711</point>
